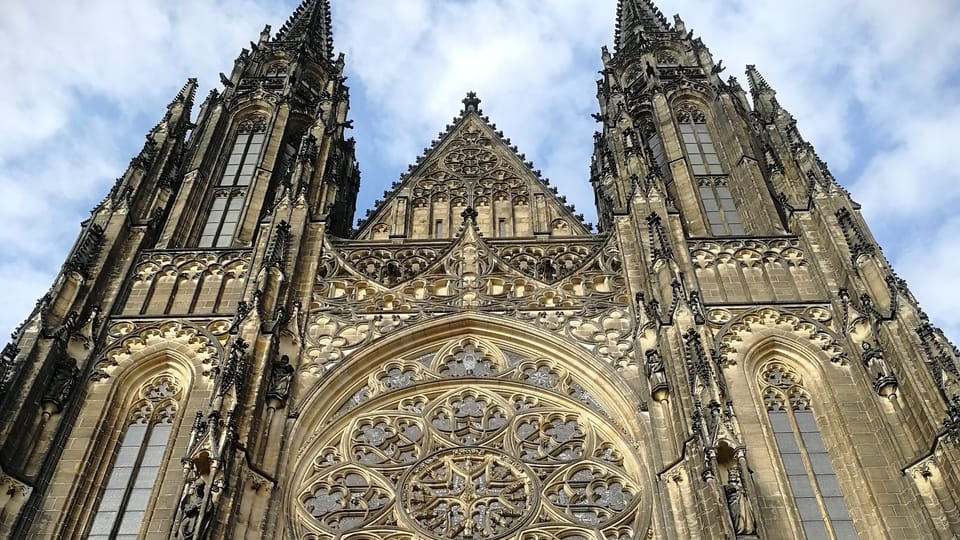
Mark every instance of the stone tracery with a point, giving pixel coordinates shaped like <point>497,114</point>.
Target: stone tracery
<point>523,450</point>
<point>577,289</point>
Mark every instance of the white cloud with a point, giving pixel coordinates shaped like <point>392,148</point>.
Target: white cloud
<point>76,104</point>
<point>873,85</point>
<point>533,63</point>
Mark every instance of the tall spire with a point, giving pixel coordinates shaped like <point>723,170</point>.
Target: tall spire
<point>311,23</point>
<point>636,21</point>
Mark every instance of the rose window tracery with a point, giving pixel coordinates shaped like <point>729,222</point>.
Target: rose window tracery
<point>469,418</point>
<point>520,449</point>
<point>468,493</point>
<point>346,500</point>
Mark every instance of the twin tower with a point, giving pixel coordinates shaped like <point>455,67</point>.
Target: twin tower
<point>227,354</point>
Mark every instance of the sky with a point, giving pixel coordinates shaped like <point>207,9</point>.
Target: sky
<point>874,85</point>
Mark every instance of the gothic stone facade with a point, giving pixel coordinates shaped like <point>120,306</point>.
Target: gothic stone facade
<point>730,355</point>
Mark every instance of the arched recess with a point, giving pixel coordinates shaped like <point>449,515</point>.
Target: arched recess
<point>469,427</point>
<point>781,367</point>
<point>147,378</point>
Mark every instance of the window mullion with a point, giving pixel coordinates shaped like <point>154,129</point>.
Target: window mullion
<point>245,156</point>
<point>728,229</point>
<point>722,212</point>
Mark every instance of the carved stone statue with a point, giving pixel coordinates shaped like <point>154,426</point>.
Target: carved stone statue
<point>62,381</point>
<point>281,375</point>
<point>656,374</point>
<point>737,504</point>
<point>190,510</point>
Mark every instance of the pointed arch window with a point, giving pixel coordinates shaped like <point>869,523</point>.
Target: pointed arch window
<point>712,184</point>
<point>137,464</point>
<point>806,462</point>
<point>231,191</point>
<point>697,141</point>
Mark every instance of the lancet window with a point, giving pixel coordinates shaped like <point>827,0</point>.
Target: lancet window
<point>715,195</point>
<point>136,466</point>
<point>697,141</point>
<point>231,191</point>
<point>806,462</point>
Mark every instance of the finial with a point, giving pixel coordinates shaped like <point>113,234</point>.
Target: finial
<point>471,103</point>
<point>679,25</point>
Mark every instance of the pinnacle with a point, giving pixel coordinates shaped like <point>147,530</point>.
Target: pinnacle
<point>636,19</point>
<point>310,22</point>
<point>186,94</point>
<point>757,82</point>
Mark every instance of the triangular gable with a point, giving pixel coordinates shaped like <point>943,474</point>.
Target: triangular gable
<point>472,166</point>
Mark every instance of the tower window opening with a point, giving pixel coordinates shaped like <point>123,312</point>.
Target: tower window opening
<point>438,228</point>
<point>722,215</point>
<point>222,220</point>
<point>126,497</point>
<point>715,196</point>
<point>698,143</point>
<point>659,156</point>
<point>803,453</point>
<point>227,204</point>
<point>502,227</point>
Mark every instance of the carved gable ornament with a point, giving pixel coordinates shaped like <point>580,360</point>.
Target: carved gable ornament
<point>471,165</point>
<point>131,342</point>
<point>738,334</point>
<point>576,289</point>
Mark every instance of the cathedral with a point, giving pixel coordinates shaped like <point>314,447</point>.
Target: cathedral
<point>229,353</point>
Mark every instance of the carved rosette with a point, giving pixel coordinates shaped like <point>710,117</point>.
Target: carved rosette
<point>468,493</point>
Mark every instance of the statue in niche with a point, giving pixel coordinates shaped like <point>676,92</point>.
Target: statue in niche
<point>281,375</point>
<point>191,526</point>
<point>62,381</point>
<point>741,515</point>
<point>655,372</point>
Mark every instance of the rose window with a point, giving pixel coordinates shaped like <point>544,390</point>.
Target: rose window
<point>467,493</point>
<point>514,452</point>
